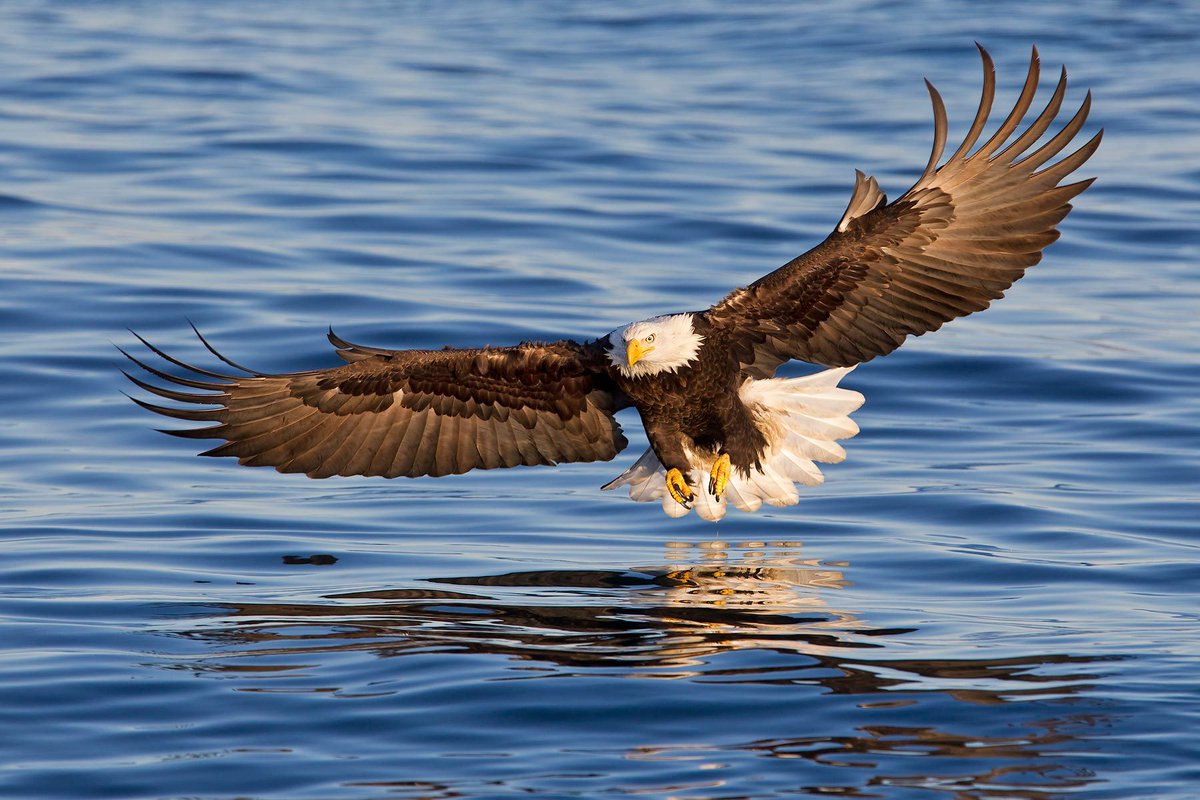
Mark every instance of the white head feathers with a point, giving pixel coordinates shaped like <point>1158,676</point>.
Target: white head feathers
<point>658,344</point>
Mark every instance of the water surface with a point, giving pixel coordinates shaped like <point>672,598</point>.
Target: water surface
<point>995,596</point>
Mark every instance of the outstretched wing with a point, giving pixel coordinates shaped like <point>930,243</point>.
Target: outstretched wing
<point>405,412</point>
<point>947,247</point>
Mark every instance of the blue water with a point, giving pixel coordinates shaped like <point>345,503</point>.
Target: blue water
<point>996,596</point>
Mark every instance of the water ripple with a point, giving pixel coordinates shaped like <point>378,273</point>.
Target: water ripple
<point>994,596</point>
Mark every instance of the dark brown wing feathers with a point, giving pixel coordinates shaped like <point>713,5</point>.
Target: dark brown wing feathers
<point>410,413</point>
<point>949,246</point>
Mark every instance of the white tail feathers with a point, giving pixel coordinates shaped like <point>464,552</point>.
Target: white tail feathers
<point>801,417</point>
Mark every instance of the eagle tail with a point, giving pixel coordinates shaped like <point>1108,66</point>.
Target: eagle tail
<point>802,418</point>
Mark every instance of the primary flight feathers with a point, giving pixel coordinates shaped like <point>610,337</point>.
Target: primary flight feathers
<point>947,247</point>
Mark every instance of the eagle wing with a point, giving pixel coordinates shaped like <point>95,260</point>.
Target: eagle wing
<point>946,248</point>
<point>405,412</point>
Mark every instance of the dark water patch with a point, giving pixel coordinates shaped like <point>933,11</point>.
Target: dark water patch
<point>466,70</point>
<point>295,200</point>
<point>211,75</point>
<point>10,202</point>
<point>99,160</point>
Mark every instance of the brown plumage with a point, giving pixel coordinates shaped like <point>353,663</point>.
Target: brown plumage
<point>408,412</point>
<point>949,246</point>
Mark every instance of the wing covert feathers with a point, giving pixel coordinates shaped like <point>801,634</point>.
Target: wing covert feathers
<point>949,246</point>
<point>401,413</point>
<point>866,198</point>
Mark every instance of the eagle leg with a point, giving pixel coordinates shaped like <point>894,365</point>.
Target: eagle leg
<point>678,488</point>
<point>719,479</point>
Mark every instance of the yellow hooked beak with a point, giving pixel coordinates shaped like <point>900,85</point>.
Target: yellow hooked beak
<point>636,351</point>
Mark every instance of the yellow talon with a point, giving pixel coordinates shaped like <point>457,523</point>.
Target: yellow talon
<point>720,476</point>
<point>679,489</point>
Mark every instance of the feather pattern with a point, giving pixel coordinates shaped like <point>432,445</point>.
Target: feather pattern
<point>803,418</point>
<point>403,413</point>
<point>949,246</point>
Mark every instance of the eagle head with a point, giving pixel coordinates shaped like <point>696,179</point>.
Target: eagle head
<point>658,344</point>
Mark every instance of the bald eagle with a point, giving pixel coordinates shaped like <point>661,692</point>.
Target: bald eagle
<point>722,429</point>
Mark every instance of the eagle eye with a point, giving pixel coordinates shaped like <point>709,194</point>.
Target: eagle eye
<point>650,339</point>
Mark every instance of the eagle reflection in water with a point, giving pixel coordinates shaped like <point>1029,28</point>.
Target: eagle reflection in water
<point>770,603</point>
<point>707,599</point>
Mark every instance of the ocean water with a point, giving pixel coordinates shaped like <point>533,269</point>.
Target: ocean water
<point>996,596</point>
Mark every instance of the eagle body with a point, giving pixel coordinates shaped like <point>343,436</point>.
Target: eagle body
<point>697,406</point>
<point>722,429</point>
